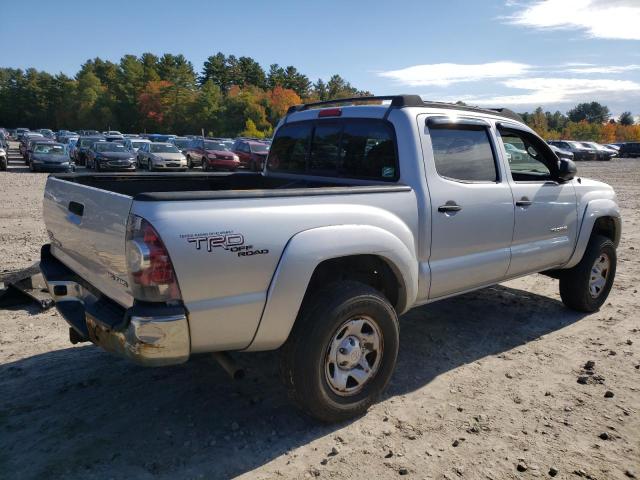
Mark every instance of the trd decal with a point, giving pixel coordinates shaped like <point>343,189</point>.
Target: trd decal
<point>228,240</point>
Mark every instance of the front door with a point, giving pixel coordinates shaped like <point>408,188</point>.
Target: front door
<point>471,206</point>
<point>546,217</point>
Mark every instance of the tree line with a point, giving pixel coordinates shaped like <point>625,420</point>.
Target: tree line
<point>588,121</point>
<point>231,95</point>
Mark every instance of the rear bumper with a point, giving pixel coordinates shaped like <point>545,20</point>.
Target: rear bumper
<point>147,334</point>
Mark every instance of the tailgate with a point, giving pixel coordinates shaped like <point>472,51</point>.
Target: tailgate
<point>87,227</point>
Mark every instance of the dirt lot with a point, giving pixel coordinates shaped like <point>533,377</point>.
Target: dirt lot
<point>486,386</point>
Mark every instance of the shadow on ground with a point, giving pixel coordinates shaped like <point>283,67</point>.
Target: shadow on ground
<point>79,412</point>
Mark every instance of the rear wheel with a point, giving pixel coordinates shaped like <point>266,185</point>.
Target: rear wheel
<point>341,352</point>
<point>586,286</point>
<point>189,162</point>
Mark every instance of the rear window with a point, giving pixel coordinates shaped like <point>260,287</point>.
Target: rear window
<point>463,154</point>
<point>352,148</point>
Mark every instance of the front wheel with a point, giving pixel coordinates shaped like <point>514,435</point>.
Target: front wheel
<point>341,352</point>
<point>586,286</point>
<point>189,162</point>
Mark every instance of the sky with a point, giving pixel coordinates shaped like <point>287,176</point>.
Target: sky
<point>514,53</point>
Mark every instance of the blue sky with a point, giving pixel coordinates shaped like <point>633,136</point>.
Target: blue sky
<point>516,53</point>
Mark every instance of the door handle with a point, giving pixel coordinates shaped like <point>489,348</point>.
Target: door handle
<point>76,208</point>
<point>523,202</point>
<point>449,207</point>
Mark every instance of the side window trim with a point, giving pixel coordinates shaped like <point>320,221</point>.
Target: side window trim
<point>471,125</point>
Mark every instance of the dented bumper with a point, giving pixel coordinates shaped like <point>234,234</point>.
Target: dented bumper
<point>147,334</point>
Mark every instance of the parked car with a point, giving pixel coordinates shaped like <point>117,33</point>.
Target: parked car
<point>60,134</point>
<point>561,153</point>
<point>604,154</point>
<point>182,143</point>
<point>51,157</point>
<point>361,213</point>
<point>4,158</point>
<point>156,137</point>
<point>89,133</point>
<point>82,147</point>
<point>629,149</point>
<point>31,143</point>
<point>112,137</point>
<point>514,154</point>
<point>47,133</point>
<point>613,146</point>
<point>110,156</point>
<point>161,156</point>
<point>580,152</point>
<point>212,155</point>
<point>70,147</point>
<point>4,140</point>
<point>25,138</point>
<point>134,143</point>
<point>252,153</point>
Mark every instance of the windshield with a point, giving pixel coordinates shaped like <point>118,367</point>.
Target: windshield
<point>181,143</point>
<point>109,147</point>
<point>87,142</point>
<point>137,144</point>
<point>215,146</point>
<point>259,148</point>
<point>163,148</point>
<point>52,149</point>
<point>577,145</point>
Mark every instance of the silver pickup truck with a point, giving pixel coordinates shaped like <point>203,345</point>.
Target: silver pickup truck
<point>361,213</point>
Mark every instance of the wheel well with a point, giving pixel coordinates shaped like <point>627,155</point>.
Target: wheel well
<point>371,270</point>
<point>605,226</point>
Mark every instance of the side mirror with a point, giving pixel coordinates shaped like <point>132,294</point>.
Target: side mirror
<point>566,169</point>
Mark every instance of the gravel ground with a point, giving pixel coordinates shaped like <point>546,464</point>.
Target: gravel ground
<point>486,387</point>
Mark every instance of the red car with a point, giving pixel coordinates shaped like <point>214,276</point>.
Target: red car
<point>252,153</point>
<point>212,155</point>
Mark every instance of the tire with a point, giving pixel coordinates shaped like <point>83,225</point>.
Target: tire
<point>189,162</point>
<point>205,165</point>
<point>305,364</point>
<point>579,288</point>
<point>96,165</point>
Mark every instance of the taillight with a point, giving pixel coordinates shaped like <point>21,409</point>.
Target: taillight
<point>330,112</point>
<point>151,273</point>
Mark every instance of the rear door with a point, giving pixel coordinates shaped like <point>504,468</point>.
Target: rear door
<point>87,229</point>
<point>546,216</point>
<point>471,205</point>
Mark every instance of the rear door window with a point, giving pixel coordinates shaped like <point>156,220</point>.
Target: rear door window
<point>463,154</point>
<point>352,148</point>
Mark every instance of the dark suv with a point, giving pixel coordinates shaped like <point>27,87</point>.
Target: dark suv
<point>629,149</point>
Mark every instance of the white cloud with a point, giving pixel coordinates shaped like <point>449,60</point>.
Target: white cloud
<point>444,74</point>
<point>545,91</point>
<point>611,69</point>
<point>611,19</point>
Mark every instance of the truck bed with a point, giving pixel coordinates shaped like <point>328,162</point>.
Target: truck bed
<point>203,186</point>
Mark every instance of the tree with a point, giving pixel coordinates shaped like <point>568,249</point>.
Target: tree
<point>278,102</point>
<point>275,77</point>
<point>592,112</point>
<point>626,118</point>
<point>250,130</point>
<point>539,122</point>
